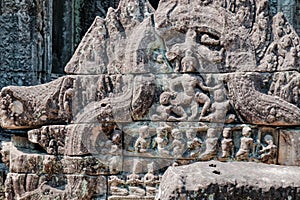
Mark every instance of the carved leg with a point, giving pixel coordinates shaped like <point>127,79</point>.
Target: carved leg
<point>205,108</point>
<point>194,109</point>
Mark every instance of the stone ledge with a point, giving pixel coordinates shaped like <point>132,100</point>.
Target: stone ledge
<point>235,180</point>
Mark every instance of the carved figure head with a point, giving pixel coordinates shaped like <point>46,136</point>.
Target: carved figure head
<point>190,134</point>
<point>211,132</point>
<point>143,131</point>
<point>165,97</point>
<point>268,139</point>
<point>246,132</point>
<point>219,95</point>
<point>176,133</point>
<point>162,132</point>
<point>227,132</point>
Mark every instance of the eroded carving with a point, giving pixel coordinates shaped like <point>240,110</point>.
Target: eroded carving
<point>227,144</point>
<point>268,152</point>
<point>170,84</point>
<point>247,145</point>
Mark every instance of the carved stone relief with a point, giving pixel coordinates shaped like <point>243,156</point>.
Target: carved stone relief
<point>151,90</point>
<point>289,153</point>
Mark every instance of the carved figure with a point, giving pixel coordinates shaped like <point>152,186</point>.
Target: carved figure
<point>178,145</point>
<point>290,92</point>
<point>219,108</point>
<point>189,62</point>
<point>133,179</point>
<point>279,80</point>
<point>227,145</point>
<point>184,51</point>
<point>290,58</point>
<point>150,180</point>
<point>247,145</point>
<point>211,143</point>
<point>269,152</point>
<point>114,163</point>
<point>168,111</point>
<point>141,144</point>
<point>188,97</point>
<point>193,143</point>
<point>115,188</point>
<point>161,141</point>
<point>115,152</point>
<point>135,182</point>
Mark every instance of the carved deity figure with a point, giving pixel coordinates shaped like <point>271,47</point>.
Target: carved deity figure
<point>135,182</point>
<point>115,188</point>
<point>227,145</point>
<point>182,54</point>
<point>219,108</point>
<point>189,62</point>
<point>115,151</point>
<point>269,152</point>
<point>161,141</point>
<point>247,145</point>
<point>134,179</point>
<point>142,143</point>
<point>290,58</point>
<point>278,82</point>
<point>211,143</point>
<point>150,180</point>
<point>193,143</point>
<point>189,97</point>
<point>290,92</point>
<point>189,84</point>
<point>167,111</point>
<point>178,145</point>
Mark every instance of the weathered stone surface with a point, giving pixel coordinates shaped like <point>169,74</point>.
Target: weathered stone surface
<point>104,141</point>
<point>18,78</point>
<point>230,180</point>
<point>32,186</point>
<point>25,42</point>
<point>190,81</point>
<point>256,107</point>
<point>193,52</point>
<point>31,106</point>
<point>21,161</point>
<point>289,149</point>
<point>106,40</point>
<point>78,99</point>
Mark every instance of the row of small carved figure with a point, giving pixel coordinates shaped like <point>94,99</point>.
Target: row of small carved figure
<point>135,186</point>
<point>191,147</point>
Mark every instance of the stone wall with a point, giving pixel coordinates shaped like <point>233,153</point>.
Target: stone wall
<point>39,37</point>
